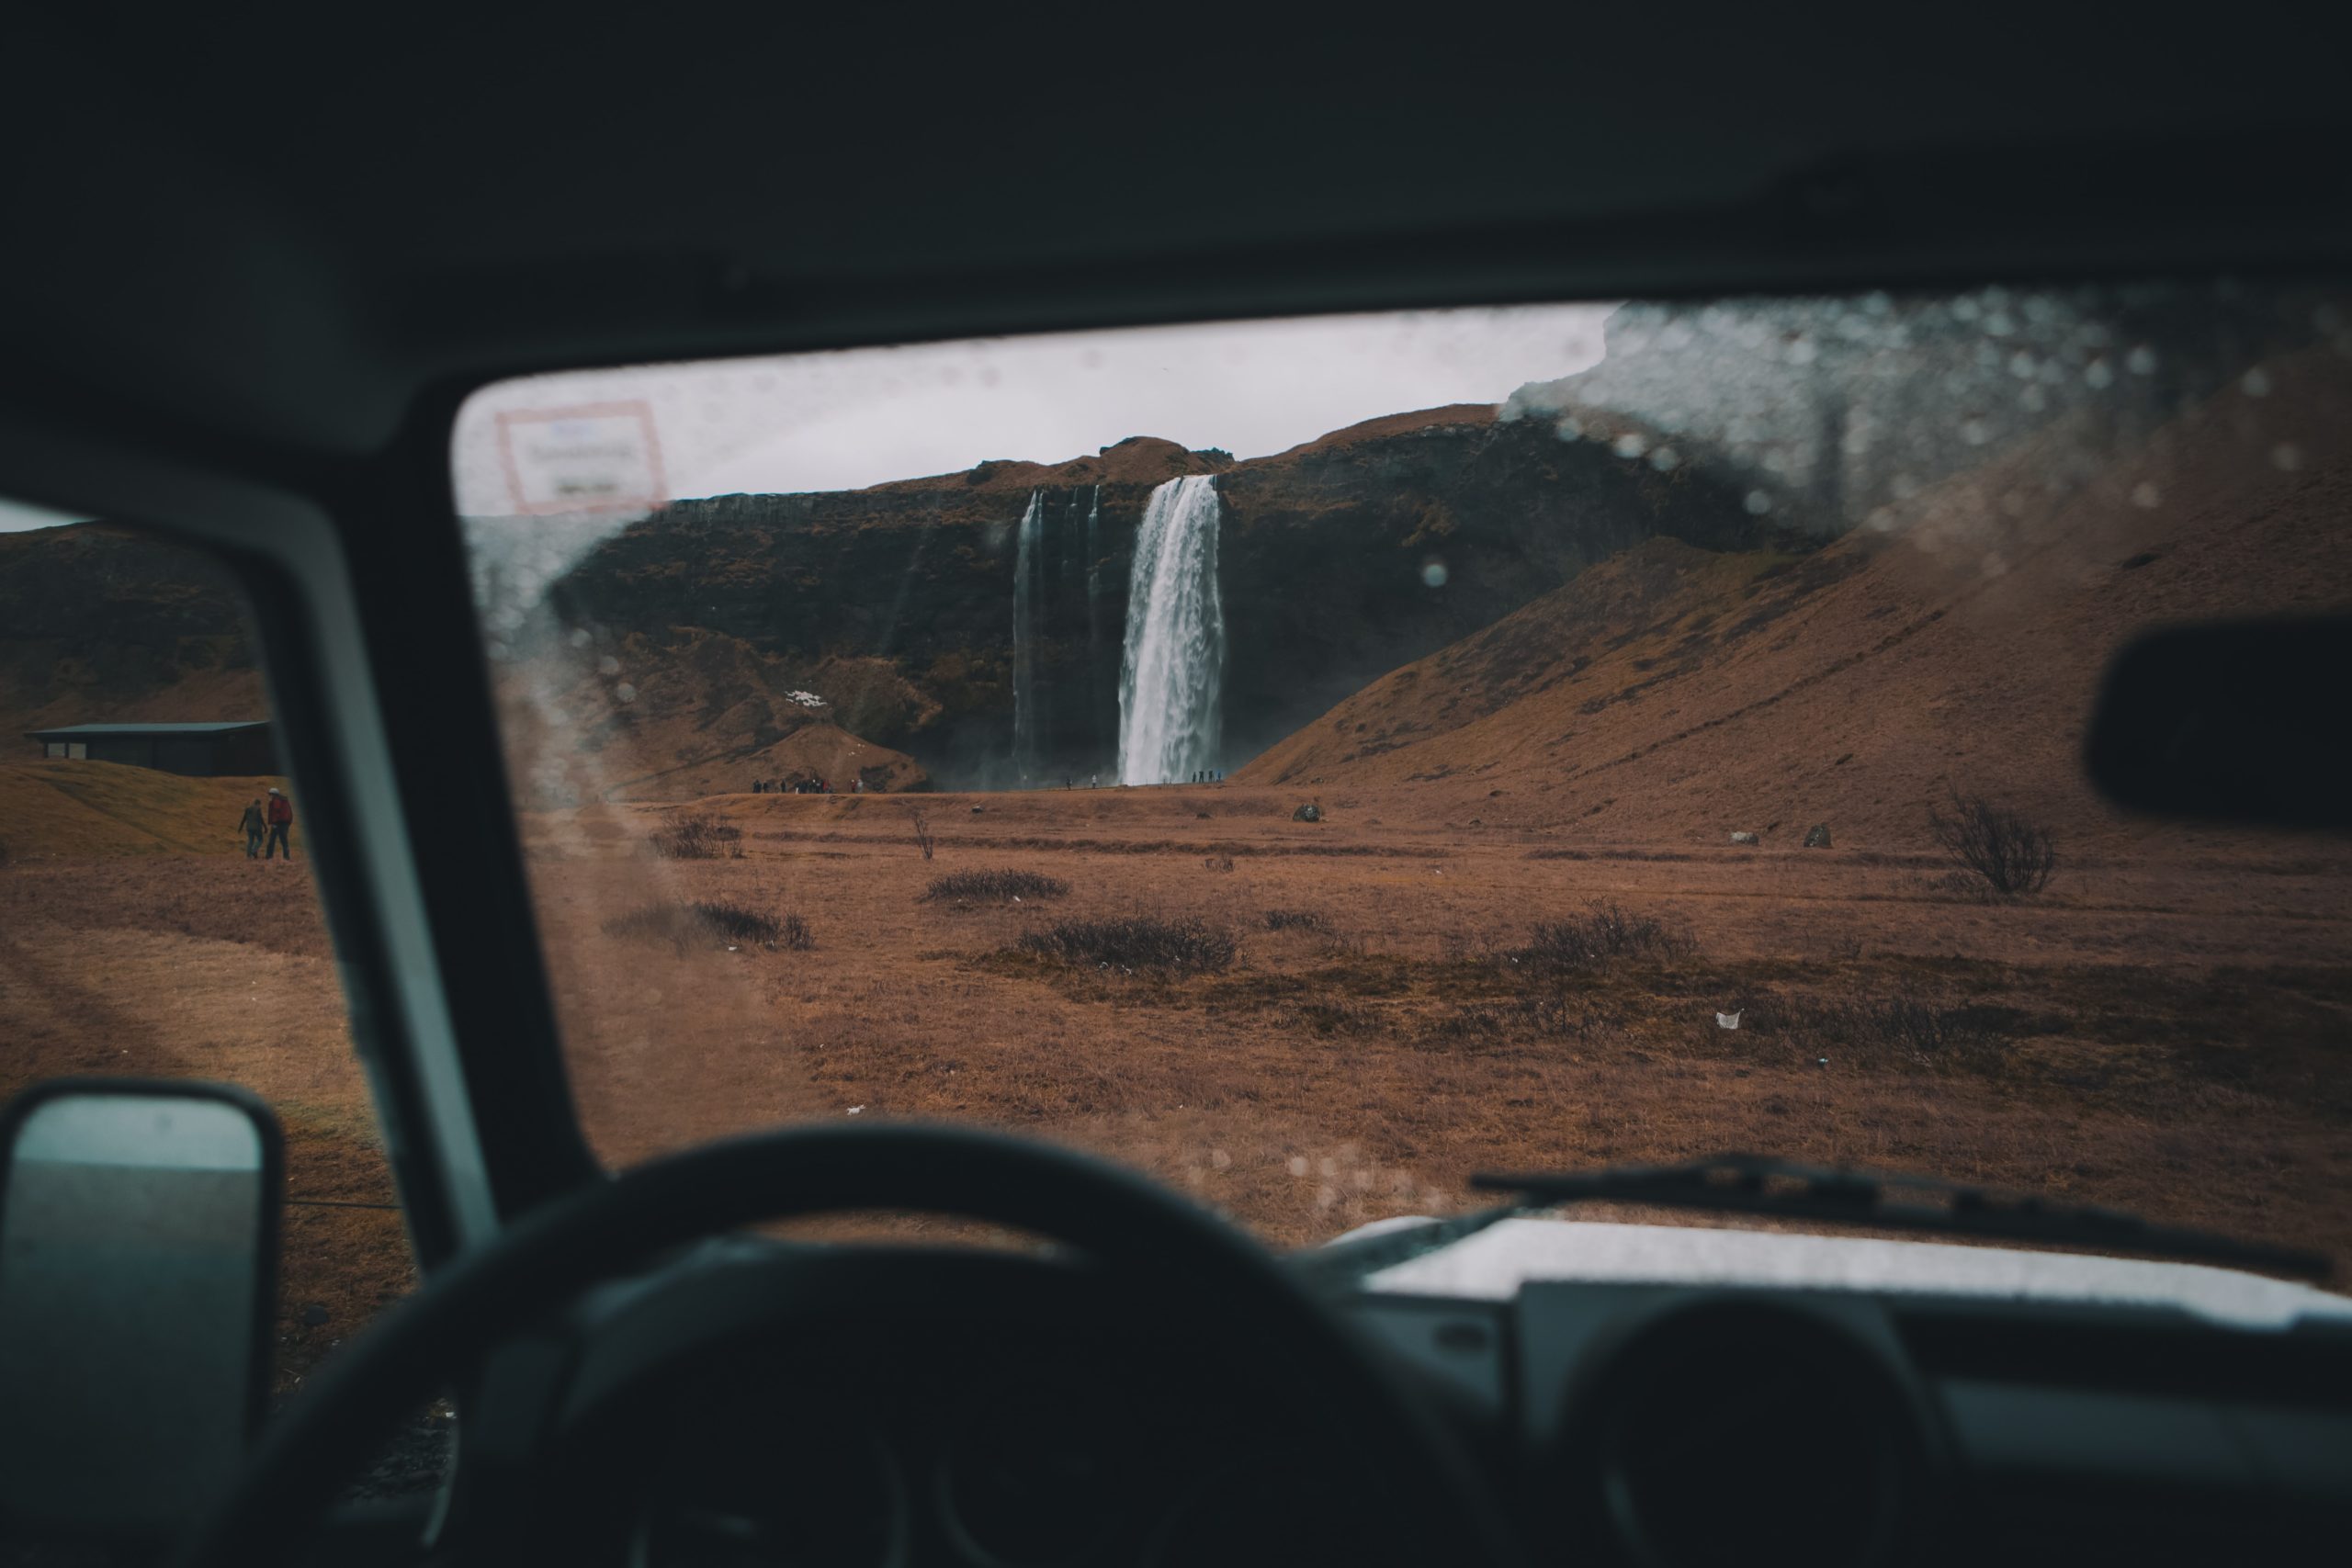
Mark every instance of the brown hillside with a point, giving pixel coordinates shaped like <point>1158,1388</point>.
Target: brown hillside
<point>51,808</point>
<point>99,622</point>
<point>1675,693</point>
<point>699,713</point>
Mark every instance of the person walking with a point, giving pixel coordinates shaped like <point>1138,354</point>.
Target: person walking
<point>280,816</point>
<point>254,827</point>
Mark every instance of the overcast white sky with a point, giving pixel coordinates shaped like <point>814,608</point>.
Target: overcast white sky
<point>846,419</point>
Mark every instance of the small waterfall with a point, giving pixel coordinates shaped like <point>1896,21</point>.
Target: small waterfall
<point>1027,567</point>
<point>1099,692</point>
<point>1174,667</point>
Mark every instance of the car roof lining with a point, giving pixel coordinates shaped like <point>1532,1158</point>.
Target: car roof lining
<point>253,244</point>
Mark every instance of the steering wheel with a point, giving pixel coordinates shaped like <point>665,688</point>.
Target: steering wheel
<point>557,1252</point>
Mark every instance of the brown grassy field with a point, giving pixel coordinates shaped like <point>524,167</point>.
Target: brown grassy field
<point>2165,1035</point>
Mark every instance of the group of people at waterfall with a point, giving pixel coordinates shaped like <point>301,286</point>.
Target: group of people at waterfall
<point>808,783</point>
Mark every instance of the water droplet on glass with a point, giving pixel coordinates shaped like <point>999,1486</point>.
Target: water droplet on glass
<point>2141,361</point>
<point>2257,383</point>
<point>1975,431</point>
<point>1219,1158</point>
<point>1433,574</point>
<point>2146,496</point>
<point>1758,503</point>
<point>1630,445</point>
<point>1666,460</point>
<point>608,665</point>
<point>1571,428</point>
<point>2287,456</point>
<point>2034,399</point>
<point>2099,375</point>
<point>1298,1165</point>
<point>580,637</point>
<point>625,692</point>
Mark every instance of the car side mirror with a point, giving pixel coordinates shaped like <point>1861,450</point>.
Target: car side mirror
<point>138,1257</point>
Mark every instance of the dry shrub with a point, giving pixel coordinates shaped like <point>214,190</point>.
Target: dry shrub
<point>2013,854</point>
<point>1604,935</point>
<point>1219,862</point>
<point>1295,920</point>
<point>711,923</point>
<point>966,886</point>
<point>1546,1014</point>
<point>1327,1015</point>
<point>698,838</point>
<point>1903,1030</point>
<point>921,821</point>
<point>1138,941</point>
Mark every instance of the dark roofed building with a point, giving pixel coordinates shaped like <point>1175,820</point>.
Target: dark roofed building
<point>240,749</point>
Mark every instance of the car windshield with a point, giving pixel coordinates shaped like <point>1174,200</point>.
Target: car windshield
<point>1316,760</point>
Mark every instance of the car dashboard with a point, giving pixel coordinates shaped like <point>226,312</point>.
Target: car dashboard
<point>758,1403</point>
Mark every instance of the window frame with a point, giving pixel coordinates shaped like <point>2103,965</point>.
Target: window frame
<point>350,572</point>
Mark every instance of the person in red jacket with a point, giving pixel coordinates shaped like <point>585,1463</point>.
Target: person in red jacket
<point>280,813</point>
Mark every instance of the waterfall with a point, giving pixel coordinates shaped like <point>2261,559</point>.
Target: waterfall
<point>1027,567</point>
<point>1099,691</point>
<point>1174,664</point>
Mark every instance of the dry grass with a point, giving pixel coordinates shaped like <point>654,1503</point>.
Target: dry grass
<point>73,809</point>
<point>1604,934</point>
<point>2165,1034</point>
<point>1005,885</point>
<point>1133,943</point>
<point>698,838</point>
<point>711,923</point>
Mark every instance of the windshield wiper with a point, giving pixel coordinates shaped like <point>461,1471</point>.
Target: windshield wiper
<point>1751,1184</point>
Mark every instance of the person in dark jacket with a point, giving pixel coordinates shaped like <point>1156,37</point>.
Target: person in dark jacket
<point>253,826</point>
<point>280,814</point>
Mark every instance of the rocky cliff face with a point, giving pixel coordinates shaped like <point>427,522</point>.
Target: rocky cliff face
<point>1339,559</point>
